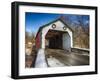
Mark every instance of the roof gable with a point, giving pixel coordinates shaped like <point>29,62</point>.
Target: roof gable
<point>53,22</point>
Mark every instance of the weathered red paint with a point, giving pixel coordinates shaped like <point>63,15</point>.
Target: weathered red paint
<point>38,41</point>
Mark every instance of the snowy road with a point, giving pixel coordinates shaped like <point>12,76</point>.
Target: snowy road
<point>57,57</point>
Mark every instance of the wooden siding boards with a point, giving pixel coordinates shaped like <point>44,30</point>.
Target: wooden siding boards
<point>38,40</point>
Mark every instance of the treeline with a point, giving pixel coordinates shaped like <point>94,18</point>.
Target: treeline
<point>29,37</point>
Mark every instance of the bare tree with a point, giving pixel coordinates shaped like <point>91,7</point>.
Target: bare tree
<point>80,26</point>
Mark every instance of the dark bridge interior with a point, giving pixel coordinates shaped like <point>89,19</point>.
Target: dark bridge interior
<point>54,38</point>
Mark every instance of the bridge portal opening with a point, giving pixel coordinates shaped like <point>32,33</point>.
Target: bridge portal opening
<point>55,39</point>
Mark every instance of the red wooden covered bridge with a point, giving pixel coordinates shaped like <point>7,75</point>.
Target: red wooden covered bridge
<point>55,35</point>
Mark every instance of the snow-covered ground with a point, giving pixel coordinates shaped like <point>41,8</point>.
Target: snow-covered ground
<point>40,60</point>
<point>59,58</point>
<point>53,62</point>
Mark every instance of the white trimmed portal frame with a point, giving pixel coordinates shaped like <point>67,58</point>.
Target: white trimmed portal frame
<point>57,25</point>
<point>47,36</point>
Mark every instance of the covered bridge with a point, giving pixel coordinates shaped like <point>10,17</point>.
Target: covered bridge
<point>56,34</point>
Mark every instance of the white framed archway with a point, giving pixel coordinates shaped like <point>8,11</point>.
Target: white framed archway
<point>67,37</point>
